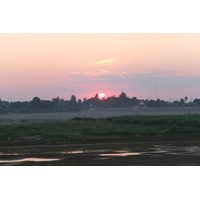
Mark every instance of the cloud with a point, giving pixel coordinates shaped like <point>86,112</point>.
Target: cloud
<point>71,79</point>
<point>103,62</point>
<point>85,73</point>
<point>103,74</point>
<point>147,72</point>
<point>103,70</point>
<point>138,79</point>
<point>169,73</point>
<point>159,73</point>
<point>84,76</point>
<point>66,79</point>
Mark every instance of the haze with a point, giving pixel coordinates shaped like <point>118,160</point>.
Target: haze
<point>146,65</point>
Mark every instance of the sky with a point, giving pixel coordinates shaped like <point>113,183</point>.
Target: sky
<point>50,49</point>
<point>143,65</point>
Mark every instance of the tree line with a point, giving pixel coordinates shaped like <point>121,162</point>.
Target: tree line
<point>60,105</point>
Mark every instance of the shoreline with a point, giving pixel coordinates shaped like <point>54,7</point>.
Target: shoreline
<point>96,113</point>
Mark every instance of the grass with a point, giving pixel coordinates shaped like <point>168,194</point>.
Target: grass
<point>83,130</point>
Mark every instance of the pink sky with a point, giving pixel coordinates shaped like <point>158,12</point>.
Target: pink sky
<point>145,65</point>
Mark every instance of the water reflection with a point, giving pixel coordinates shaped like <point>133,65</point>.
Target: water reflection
<point>121,154</point>
<point>29,159</point>
<point>178,150</point>
<point>57,153</point>
<point>86,151</point>
<point>131,153</point>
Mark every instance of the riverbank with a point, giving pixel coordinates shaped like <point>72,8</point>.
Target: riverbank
<point>99,141</point>
<point>97,113</point>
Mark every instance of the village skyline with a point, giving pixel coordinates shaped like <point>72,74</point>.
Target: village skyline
<point>97,101</point>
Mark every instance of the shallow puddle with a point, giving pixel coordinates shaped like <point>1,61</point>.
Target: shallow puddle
<point>28,159</point>
<point>86,151</point>
<point>121,154</point>
<point>178,150</point>
<point>98,151</point>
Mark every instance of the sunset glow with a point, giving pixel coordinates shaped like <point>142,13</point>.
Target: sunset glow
<point>61,64</point>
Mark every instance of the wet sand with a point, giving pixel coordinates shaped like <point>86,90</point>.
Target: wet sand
<point>97,113</point>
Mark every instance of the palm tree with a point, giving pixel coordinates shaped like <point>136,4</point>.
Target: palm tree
<point>186,98</point>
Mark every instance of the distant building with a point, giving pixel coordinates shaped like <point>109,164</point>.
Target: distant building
<point>141,104</point>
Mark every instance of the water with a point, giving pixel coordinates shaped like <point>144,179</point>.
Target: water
<point>45,153</point>
<point>28,159</point>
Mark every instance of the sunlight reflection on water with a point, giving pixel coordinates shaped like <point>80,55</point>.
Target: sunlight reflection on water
<point>121,154</point>
<point>100,153</point>
<point>29,159</point>
<point>86,151</point>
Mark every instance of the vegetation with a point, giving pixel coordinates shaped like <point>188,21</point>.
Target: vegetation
<point>115,129</point>
<point>61,105</point>
<point>103,135</point>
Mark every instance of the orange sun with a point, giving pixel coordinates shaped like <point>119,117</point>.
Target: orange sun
<point>101,95</point>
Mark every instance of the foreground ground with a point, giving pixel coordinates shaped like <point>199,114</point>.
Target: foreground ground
<point>113,154</point>
<point>125,140</point>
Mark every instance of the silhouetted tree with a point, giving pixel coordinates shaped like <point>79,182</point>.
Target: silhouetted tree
<point>79,103</point>
<point>134,101</point>
<point>73,101</point>
<point>123,99</point>
<point>182,102</point>
<point>96,101</point>
<point>62,103</point>
<point>197,101</point>
<point>186,98</point>
<point>36,103</point>
<point>56,101</point>
<point>19,104</point>
<point>151,103</point>
<point>46,104</point>
<point>123,96</point>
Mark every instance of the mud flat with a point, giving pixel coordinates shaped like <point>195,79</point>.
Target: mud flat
<point>177,153</point>
<point>97,113</point>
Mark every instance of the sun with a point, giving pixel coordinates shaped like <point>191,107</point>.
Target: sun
<point>101,95</point>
